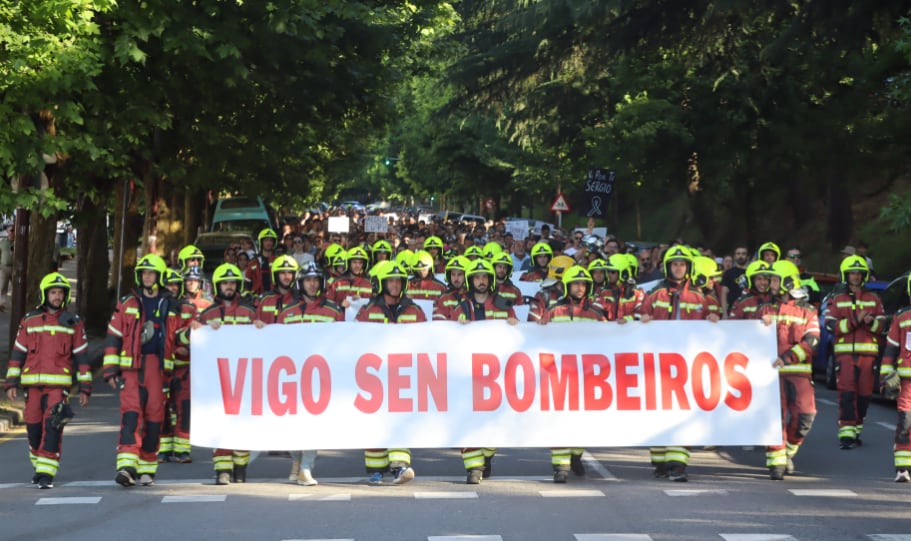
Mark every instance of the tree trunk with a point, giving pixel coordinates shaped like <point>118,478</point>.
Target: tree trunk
<point>42,237</point>
<point>127,228</point>
<point>95,300</point>
<point>840,218</point>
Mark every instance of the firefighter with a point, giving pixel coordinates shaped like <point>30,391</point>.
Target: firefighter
<point>758,275</point>
<point>138,360</point>
<point>854,316</point>
<point>380,251</point>
<point>271,303</point>
<point>174,283</point>
<point>455,280</point>
<point>193,290</point>
<point>473,252</point>
<point>551,288</point>
<point>618,299</point>
<point>482,303</point>
<point>390,305</point>
<point>190,256</point>
<point>541,256</point>
<point>768,252</point>
<point>228,309</point>
<point>705,276</point>
<point>354,284</point>
<point>576,304</point>
<point>50,342</point>
<point>502,266</point>
<point>675,298</point>
<point>329,262</point>
<point>797,328</point>
<point>598,269</point>
<point>491,249</point>
<point>896,378</point>
<point>259,269</point>
<point>433,245</point>
<point>312,307</point>
<point>423,285</point>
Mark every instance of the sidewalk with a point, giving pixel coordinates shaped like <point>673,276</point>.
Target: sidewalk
<point>11,412</point>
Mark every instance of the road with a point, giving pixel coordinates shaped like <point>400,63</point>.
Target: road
<point>836,495</point>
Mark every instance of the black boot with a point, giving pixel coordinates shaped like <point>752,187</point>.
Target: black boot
<point>575,464</point>
<point>488,467</point>
<point>240,474</point>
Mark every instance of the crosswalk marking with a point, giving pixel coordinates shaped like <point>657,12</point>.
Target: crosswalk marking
<point>464,538</point>
<point>205,498</point>
<point>825,493</point>
<point>452,495</point>
<point>319,497</point>
<point>612,537</point>
<point>73,500</point>
<point>696,492</point>
<point>346,539</point>
<point>890,537</point>
<point>571,493</point>
<point>593,463</point>
<point>756,537</point>
<point>10,485</point>
<point>888,426</point>
<point>826,401</point>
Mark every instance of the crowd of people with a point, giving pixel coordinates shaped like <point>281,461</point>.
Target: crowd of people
<point>469,272</point>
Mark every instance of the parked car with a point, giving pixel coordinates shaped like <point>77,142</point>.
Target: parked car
<point>894,296</point>
<point>214,244</point>
<point>244,214</point>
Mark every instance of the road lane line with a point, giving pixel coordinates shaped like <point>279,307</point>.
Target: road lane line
<point>888,426</point>
<point>464,538</point>
<point>696,492</point>
<point>319,497</point>
<point>571,493</point>
<point>593,463</point>
<point>74,500</point>
<point>460,495</point>
<point>825,493</point>
<point>756,537</point>
<point>890,536</point>
<point>205,498</point>
<point>612,537</point>
<point>826,401</point>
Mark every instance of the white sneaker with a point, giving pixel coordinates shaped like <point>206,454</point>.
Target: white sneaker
<point>305,478</point>
<point>146,480</point>
<point>403,475</point>
<point>902,476</point>
<point>295,471</point>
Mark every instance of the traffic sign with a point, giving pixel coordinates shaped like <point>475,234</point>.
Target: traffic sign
<point>490,203</point>
<point>560,204</point>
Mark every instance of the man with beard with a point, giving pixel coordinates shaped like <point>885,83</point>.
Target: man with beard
<point>731,282</point>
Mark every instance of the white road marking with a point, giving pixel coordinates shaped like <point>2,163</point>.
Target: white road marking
<point>826,493</point>
<point>464,538</point>
<point>570,493</point>
<point>453,495</point>
<point>346,539</point>
<point>888,426</point>
<point>696,492</point>
<point>319,497</point>
<point>69,501</point>
<point>756,537</point>
<point>11,485</point>
<point>890,536</point>
<point>206,498</point>
<point>826,401</point>
<point>591,462</point>
<point>612,537</point>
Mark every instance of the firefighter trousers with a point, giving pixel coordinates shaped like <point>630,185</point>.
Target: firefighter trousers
<point>798,409</point>
<point>142,401</point>
<point>854,381</point>
<point>44,440</point>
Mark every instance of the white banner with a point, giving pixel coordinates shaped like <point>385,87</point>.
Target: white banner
<point>376,224</point>
<point>518,229</point>
<point>445,384</point>
<point>338,224</point>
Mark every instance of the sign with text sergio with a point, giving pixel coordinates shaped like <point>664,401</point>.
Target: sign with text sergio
<point>596,193</point>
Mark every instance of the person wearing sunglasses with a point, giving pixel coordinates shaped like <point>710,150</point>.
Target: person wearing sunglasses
<point>806,279</point>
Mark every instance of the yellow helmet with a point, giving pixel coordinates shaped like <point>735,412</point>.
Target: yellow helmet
<point>404,259</point>
<point>481,266</point>
<point>618,263</point>
<point>283,263</point>
<point>174,277</point>
<point>677,253</point>
<point>789,274</point>
<point>755,268</point>
<point>54,279</point>
<point>267,233</point>
<point>150,262</point>
<point>458,262</point>
<point>422,260</point>
<point>771,247</point>
<point>854,263</point>
<point>357,252</point>
<point>633,265</point>
<point>576,273</point>
<point>386,270</point>
<point>598,264</point>
<point>473,251</point>
<point>542,248</point>
<point>503,258</point>
<point>491,249</point>
<point>558,265</point>
<point>226,272</point>
<point>189,252</point>
<point>704,269</point>
<point>433,242</point>
<point>381,247</point>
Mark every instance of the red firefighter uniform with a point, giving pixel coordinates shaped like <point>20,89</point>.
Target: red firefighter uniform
<point>259,269</point>
<point>757,279</point>
<point>541,256</point>
<point>232,311</point>
<point>502,265</point>
<point>569,308</point>
<point>378,310</point>
<point>797,330</point>
<point>50,343</point>
<point>175,432</point>
<point>354,283</point>
<point>674,298</point>
<point>139,358</point>
<point>619,299</point>
<point>854,316</point>
<point>478,460</point>
<point>897,358</point>
<point>424,286</point>
<point>445,306</point>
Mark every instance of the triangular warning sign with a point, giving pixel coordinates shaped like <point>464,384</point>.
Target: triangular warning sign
<point>560,204</point>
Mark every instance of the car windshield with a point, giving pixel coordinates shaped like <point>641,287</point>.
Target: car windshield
<point>895,296</point>
<point>239,203</point>
<point>244,226</point>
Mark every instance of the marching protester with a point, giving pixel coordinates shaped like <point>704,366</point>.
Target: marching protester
<point>896,383</point>
<point>50,342</point>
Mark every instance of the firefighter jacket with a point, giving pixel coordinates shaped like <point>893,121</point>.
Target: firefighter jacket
<point>349,285</point>
<point>270,304</point>
<point>446,304</point>
<point>797,329</point>
<point>675,300</point>
<point>543,300</point>
<point>319,310</point>
<point>712,301</point>
<point>259,273</point>
<point>619,302</point>
<point>897,354</point>
<point>377,311</point>
<point>189,312</point>
<point>235,313</point>
<point>48,346</point>
<point>439,266</point>
<point>852,336</point>
<point>510,292</point>
<point>748,305</point>
<point>200,300</point>
<point>123,344</point>
<point>429,289</point>
<point>493,307</point>
<point>534,274</point>
<point>567,309</point>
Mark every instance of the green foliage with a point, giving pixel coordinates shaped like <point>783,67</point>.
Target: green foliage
<point>897,213</point>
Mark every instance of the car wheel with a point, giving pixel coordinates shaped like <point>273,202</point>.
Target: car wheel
<point>830,370</point>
